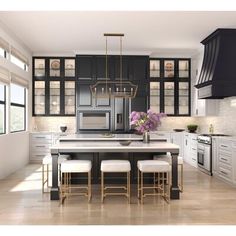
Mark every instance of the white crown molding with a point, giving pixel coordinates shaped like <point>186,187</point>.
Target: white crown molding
<point>15,37</point>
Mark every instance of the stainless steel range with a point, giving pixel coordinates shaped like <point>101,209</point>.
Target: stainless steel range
<point>204,152</point>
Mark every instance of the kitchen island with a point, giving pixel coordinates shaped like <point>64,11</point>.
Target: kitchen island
<point>97,150</point>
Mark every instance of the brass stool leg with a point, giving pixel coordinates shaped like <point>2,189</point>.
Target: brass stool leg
<point>89,186</point>
<point>154,182</point>
<point>141,187</point>
<point>128,186</point>
<point>138,185</point>
<point>43,178</point>
<point>168,186</point>
<point>102,187</point>
<point>163,184</point>
<point>47,176</point>
<point>182,178</point>
<point>158,181</point>
<point>67,184</point>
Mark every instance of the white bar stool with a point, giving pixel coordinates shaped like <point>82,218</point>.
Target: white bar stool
<point>75,166</point>
<point>155,167</point>
<point>168,158</point>
<point>46,162</point>
<point>115,166</point>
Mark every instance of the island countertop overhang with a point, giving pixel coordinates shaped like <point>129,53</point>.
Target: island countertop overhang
<point>113,146</point>
<point>115,137</point>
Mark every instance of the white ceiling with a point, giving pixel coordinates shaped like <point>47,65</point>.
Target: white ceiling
<point>145,32</point>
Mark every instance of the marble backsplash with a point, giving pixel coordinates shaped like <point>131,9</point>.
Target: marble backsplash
<point>53,124</point>
<point>225,122</point>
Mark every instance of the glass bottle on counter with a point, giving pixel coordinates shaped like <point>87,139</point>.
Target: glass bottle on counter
<point>211,129</point>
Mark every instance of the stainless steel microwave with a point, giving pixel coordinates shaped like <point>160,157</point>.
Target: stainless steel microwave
<point>94,120</point>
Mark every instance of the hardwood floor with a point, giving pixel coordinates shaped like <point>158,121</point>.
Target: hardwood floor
<point>206,200</point>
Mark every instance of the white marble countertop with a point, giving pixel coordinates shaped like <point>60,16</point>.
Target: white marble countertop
<point>116,137</point>
<point>114,146</point>
<point>233,138</point>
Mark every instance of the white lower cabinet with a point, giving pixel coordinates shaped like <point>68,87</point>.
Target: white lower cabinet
<point>178,139</point>
<point>190,149</point>
<point>40,144</point>
<point>223,158</point>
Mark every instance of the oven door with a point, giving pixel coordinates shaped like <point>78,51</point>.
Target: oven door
<point>204,156</point>
<point>200,154</point>
<point>94,120</point>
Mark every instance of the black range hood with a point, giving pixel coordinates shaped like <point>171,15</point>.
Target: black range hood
<point>218,73</point>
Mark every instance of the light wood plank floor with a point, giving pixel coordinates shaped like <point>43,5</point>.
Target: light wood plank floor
<point>205,200</point>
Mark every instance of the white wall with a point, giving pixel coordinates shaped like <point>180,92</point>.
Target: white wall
<point>14,147</point>
<point>14,152</point>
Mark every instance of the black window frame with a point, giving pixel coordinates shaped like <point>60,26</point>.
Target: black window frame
<point>19,105</point>
<point>4,104</point>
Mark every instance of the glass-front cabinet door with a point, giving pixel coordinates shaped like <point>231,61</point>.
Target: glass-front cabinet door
<point>39,67</point>
<point>170,81</point>
<point>69,67</point>
<point>169,98</point>
<point>54,102</point>
<point>154,68</point>
<point>54,86</point>
<point>55,67</point>
<point>69,97</point>
<point>183,98</point>
<point>169,68</point>
<point>183,69</point>
<point>155,96</point>
<point>39,97</point>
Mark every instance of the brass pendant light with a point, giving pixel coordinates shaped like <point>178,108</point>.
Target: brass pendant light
<point>114,89</point>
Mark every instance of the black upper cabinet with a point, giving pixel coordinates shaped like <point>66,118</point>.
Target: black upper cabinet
<point>86,67</point>
<point>138,68</point>
<point>170,86</point>
<point>134,68</point>
<point>53,86</point>
<point>125,62</point>
<point>101,67</point>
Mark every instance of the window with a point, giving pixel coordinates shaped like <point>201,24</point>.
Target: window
<point>2,109</point>
<point>19,63</point>
<point>19,59</point>
<point>2,52</point>
<point>18,108</point>
<point>4,48</point>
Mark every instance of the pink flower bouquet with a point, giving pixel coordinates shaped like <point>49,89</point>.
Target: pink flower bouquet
<point>145,122</point>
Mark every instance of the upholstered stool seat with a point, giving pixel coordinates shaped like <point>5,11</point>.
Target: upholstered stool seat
<point>168,158</point>
<point>163,171</point>
<point>152,166</point>
<point>115,166</point>
<point>47,161</point>
<point>75,166</point>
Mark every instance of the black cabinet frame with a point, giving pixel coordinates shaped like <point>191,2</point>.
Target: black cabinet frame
<point>47,78</point>
<point>176,80</point>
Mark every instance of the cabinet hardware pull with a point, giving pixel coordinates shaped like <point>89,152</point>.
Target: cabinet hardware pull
<point>40,137</point>
<point>40,146</point>
<point>224,159</point>
<point>223,145</point>
<point>224,172</point>
<point>40,155</point>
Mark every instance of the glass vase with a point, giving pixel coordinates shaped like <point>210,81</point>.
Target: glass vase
<point>146,137</point>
